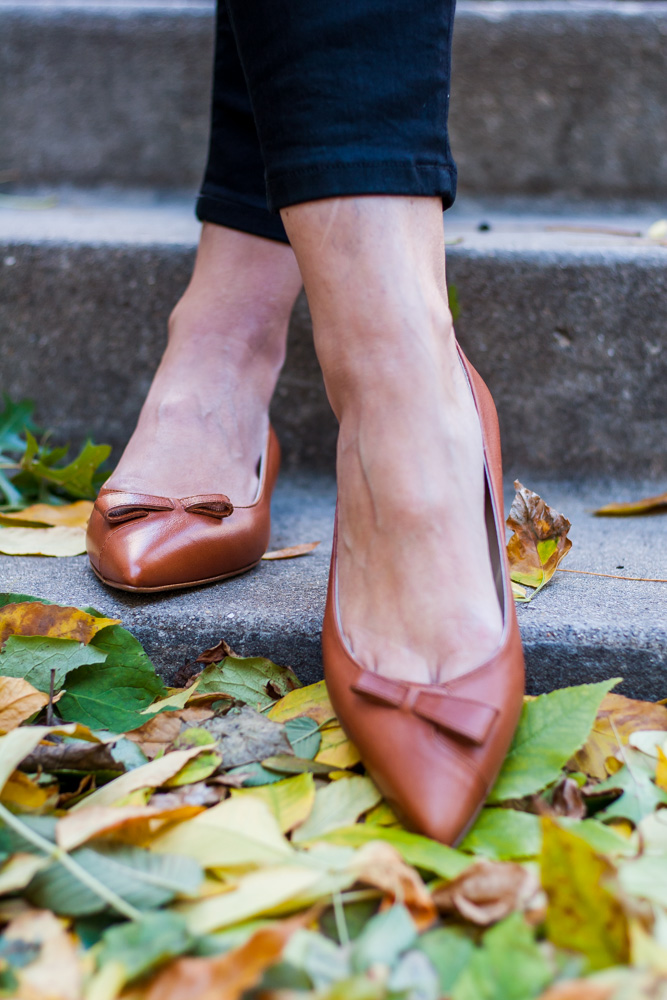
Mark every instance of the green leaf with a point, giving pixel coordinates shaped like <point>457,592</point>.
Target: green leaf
<point>414,978</point>
<point>603,839</point>
<point>109,697</point>
<point>256,774</point>
<point>75,479</point>
<point>337,805</point>
<point>449,950</point>
<point>141,946</point>
<point>33,657</point>
<point>641,796</point>
<point>504,835</point>
<point>508,966</point>
<point>123,650</point>
<point>252,680</point>
<point>421,852</point>
<point>551,729</point>
<point>20,599</point>
<point>322,961</point>
<point>140,877</point>
<point>304,736</point>
<point>386,936</point>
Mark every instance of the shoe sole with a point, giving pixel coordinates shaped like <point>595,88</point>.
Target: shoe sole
<point>173,586</point>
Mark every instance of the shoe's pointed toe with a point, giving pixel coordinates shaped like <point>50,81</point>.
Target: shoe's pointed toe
<point>435,751</point>
<point>144,543</point>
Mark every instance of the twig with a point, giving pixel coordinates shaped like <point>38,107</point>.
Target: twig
<point>49,707</point>
<point>612,576</point>
<point>73,867</point>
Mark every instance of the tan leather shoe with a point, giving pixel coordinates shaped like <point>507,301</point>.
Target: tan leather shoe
<point>144,543</point>
<point>435,750</point>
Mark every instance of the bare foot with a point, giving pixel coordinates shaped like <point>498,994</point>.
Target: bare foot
<point>204,424</point>
<point>416,592</point>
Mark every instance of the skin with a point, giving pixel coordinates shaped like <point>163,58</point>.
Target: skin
<point>417,599</point>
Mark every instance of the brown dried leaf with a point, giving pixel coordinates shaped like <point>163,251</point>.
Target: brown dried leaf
<point>618,717</point>
<point>228,976</point>
<point>216,653</point>
<point>52,620</point>
<point>649,505</point>
<point>487,892</point>
<point>132,824</point>
<point>161,730</point>
<point>567,800</point>
<point>381,866</point>
<point>292,552</point>
<point>18,701</point>
<point>539,542</point>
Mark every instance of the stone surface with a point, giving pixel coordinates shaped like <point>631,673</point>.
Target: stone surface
<point>567,327</point>
<point>547,96</point>
<point>578,629</point>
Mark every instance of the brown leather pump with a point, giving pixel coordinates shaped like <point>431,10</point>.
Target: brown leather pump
<point>144,543</point>
<point>434,750</point>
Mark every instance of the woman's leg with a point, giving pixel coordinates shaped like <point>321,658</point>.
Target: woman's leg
<point>203,426</point>
<point>417,597</point>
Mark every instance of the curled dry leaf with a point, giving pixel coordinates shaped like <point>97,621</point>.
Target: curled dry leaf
<point>539,542</point>
<point>18,701</point>
<point>292,552</point>
<point>33,618</point>
<point>567,800</point>
<point>216,653</point>
<point>617,718</point>
<point>488,891</point>
<point>228,976</point>
<point>42,515</point>
<point>648,505</point>
<point>381,866</point>
<point>161,730</point>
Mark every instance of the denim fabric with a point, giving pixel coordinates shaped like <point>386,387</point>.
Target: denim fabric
<point>322,98</point>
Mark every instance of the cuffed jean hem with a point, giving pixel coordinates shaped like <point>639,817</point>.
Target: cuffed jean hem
<point>235,214</point>
<point>335,180</point>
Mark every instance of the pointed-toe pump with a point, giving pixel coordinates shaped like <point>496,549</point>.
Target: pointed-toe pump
<point>435,750</point>
<point>145,543</point>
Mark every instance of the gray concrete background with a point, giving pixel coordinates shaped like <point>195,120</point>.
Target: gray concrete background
<point>547,96</point>
<point>578,629</point>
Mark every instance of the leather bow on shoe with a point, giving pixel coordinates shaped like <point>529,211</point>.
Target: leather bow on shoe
<point>470,719</point>
<point>118,507</point>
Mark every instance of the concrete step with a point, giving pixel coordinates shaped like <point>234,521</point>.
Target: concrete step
<point>566,322</point>
<point>580,628</point>
<point>553,96</point>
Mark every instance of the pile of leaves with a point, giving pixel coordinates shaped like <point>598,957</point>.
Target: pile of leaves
<point>222,837</point>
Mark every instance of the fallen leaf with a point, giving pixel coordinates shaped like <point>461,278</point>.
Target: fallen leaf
<point>378,864</point>
<point>253,680</point>
<point>313,701</point>
<point>337,805</point>
<point>131,824</point>
<point>567,800</point>
<point>56,974</point>
<point>18,743</point>
<point>70,515</point>
<point>552,727</point>
<point>658,230</point>
<point>19,870</point>
<point>661,771</point>
<point>650,741</point>
<point>34,657</point>
<point>18,701</point>
<point>582,914</point>
<point>292,552</point>
<point>418,851</point>
<point>649,505</point>
<point>217,653</point>
<point>60,541</point>
<point>504,835</point>
<point>579,989</point>
<point>103,696</point>
<point>509,966</point>
<point>23,794</point>
<point>151,775</point>
<point>160,731</point>
<point>539,542</point>
<point>640,795</point>
<point>488,891</point>
<point>290,800</point>
<point>228,976</point>
<point>617,718</point>
<point>32,618</point>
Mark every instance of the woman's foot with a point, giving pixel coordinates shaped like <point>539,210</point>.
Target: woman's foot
<point>416,591</point>
<point>203,426</point>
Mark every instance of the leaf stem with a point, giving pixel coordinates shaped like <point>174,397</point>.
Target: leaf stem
<point>74,868</point>
<point>341,922</point>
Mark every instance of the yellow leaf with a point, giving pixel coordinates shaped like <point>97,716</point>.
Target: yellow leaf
<point>257,893</point>
<point>337,805</point>
<point>70,515</point>
<point>658,230</point>
<point>151,775</point>
<point>290,801</point>
<point>178,699</point>
<point>313,701</point>
<point>645,951</point>
<point>60,541</point>
<point>19,870</point>
<point>582,914</point>
<point>17,744</point>
<point>292,552</point>
<point>617,718</point>
<point>18,701</point>
<point>661,771</point>
<point>539,542</point>
<point>131,824</point>
<point>237,834</point>
<point>379,865</point>
<point>382,815</point>
<point>52,620</point>
<point>56,973</point>
<point>22,793</point>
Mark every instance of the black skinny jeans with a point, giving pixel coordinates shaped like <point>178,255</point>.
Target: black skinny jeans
<point>323,98</point>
